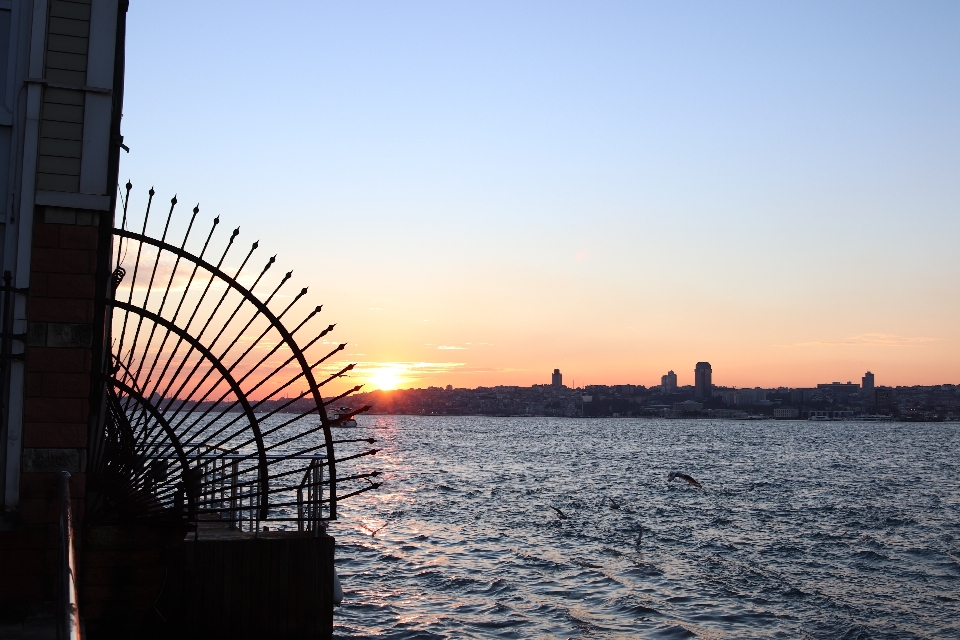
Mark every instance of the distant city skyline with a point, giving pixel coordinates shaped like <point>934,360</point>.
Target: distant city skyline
<point>827,401</point>
<point>670,382</point>
<point>702,388</point>
<point>702,383</point>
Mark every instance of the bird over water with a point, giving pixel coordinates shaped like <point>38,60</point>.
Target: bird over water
<point>684,477</point>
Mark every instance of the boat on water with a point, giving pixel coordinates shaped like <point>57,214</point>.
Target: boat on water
<point>342,417</point>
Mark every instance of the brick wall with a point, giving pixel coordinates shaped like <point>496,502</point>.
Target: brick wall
<point>58,362</point>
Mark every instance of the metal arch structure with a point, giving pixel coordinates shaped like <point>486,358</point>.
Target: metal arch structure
<point>119,416</point>
<point>213,407</point>
<point>224,372</point>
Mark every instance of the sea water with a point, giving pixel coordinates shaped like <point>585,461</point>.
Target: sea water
<point>802,529</point>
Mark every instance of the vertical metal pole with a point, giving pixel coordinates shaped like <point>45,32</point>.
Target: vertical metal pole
<point>234,515</point>
<point>6,327</point>
<point>317,493</point>
<point>69,615</point>
<point>300,508</point>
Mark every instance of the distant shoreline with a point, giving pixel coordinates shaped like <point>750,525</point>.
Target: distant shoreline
<point>742,419</point>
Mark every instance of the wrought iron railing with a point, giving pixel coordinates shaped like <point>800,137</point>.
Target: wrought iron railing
<point>227,493</point>
<point>309,499</point>
<point>213,389</point>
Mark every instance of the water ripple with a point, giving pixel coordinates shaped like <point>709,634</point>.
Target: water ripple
<point>837,530</point>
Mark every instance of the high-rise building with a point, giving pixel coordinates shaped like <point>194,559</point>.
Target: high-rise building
<point>867,384</point>
<point>668,382</point>
<point>557,379</point>
<point>703,381</point>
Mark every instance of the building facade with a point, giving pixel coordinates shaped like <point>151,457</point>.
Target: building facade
<point>842,390</point>
<point>703,381</point>
<point>61,89</point>
<point>866,384</point>
<point>556,379</point>
<point>668,382</point>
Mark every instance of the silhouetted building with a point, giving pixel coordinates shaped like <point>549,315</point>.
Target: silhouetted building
<point>703,381</point>
<point>840,390</point>
<point>687,406</point>
<point>881,397</point>
<point>867,384</point>
<point>668,382</point>
<point>747,397</point>
<point>557,379</point>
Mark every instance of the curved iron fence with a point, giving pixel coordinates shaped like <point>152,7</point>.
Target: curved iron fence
<point>213,405</point>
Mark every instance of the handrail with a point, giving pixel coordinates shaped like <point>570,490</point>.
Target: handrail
<point>240,456</point>
<point>309,514</point>
<point>68,623</point>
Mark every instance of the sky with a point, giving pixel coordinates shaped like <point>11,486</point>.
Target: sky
<point>481,192</point>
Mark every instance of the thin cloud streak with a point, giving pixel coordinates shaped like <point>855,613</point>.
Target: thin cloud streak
<point>419,367</point>
<point>866,340</point>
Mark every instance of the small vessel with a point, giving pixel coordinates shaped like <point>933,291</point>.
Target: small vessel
<point>342,417</point>
<point>337,589</point>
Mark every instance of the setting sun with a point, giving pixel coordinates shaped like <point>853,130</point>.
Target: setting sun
<point>385,379</point>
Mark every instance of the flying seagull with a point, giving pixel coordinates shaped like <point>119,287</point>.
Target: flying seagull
<point>559,513</point>
<point>373,532</point>
<point>684,477</point>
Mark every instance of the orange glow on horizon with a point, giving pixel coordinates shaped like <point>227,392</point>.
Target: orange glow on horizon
<point>385,379</point>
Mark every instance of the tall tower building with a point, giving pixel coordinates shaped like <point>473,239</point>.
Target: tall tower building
<point>703,381</point>
<point>668,382</point>
<point>866,383</point>
<point>557,379</point>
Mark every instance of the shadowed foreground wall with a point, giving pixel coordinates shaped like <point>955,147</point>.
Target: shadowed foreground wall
<point>276,586</point>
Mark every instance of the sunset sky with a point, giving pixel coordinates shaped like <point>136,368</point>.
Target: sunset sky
<point>481,192</point>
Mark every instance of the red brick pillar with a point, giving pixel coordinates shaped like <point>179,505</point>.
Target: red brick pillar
<point>60,313</point>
